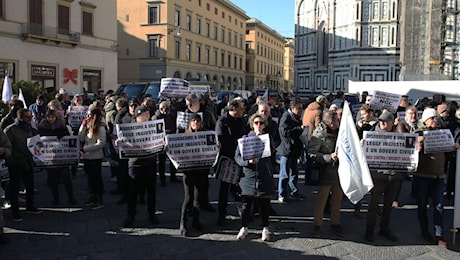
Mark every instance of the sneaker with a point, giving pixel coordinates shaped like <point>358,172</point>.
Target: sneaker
<point>317,231</point>
<point>338,230</point>
<point>128,222</point>
<point>90,201</point>
<point>297,196</point>
<point>389,235</point>
<point>369,236</point>
<point>6,205</point>
<point>16,217</point>
<point>265,234</point>
<point>282,200</point>
<point>242,234</point>
<point>33,210</point>
<point>97,205</point>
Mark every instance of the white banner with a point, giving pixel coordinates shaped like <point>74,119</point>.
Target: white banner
<point>173,87</point>
<point>183,118</point>
<point>436,141</point>
<point>52,151</point>
<point>76,114</point>
<point>391,150</point>
<point>251,147</point>
<point>384,100</point>
<point>142,139</point>
<point>190,151</point>
<point>354,175</point>
<point>227,170</point>
<point>199,89</point>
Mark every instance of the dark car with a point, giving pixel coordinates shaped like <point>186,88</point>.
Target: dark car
<point>140,89</point>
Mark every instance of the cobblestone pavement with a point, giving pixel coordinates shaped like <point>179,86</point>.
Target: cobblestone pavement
<point>64,232</point>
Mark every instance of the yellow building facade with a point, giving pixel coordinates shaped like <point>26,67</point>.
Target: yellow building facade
<point>59,43</point>
<point>265,56</point>
<point>191,39</point>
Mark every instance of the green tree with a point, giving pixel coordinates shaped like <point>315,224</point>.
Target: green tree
<point>31,90</point>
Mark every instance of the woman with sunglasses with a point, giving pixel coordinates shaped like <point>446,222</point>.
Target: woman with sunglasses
<point>257,182</point>
<point>93,134</point>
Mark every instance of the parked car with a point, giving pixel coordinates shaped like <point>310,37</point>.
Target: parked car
<point>140,89</point>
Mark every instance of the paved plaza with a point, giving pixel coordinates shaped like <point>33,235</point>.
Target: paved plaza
<point>77,232</point>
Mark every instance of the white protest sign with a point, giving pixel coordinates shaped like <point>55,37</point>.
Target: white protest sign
<point>54,151</point>
<point>190,151</point>
<point>384,100</point>
<point>35,144</point>
<point>183,118</point>
<point>390,150</point>
<point>267,151</point>
<point>436,141</point>
<point>251,147</point>
<point>227,170</point>
<point>141,139</point>
<point>76,114</point>
<point>173,87</point>
<point>199,89</point>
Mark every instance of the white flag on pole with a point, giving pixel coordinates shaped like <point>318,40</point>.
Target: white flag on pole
<point>21,97</point>
<point>7,92</point>
<point>266,96</point>
<point>354,174</point>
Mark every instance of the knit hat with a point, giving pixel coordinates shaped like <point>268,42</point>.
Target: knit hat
<point>428,113</point>
<point>386,116</point>
<point>140,110</point>
<point>320,99</point>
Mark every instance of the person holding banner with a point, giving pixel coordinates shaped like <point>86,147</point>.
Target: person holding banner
<point>92,134</point>
<point>256,183</point>
<point>195,182</point>
<point>321,150</point>
<point>20,164</point>
<point>386,182</point>
<point>230,127</point>
<point>429,180</point>
<point>142,173</point>
<point>51,126</point>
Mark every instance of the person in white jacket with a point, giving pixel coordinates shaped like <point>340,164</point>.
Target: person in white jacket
<point>92,134</point>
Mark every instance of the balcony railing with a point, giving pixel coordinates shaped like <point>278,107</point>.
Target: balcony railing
<point>46,33</point>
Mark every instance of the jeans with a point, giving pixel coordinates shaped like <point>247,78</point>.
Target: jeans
<point>288,176</point>
<point>425,187</point>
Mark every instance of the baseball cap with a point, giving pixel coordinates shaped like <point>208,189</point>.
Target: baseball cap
<point>386,116</point>
<point>140,110</point>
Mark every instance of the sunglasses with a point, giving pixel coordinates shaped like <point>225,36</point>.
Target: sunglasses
<point>258,123</point>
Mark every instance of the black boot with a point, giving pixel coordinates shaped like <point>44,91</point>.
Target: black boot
<point>196,219</point>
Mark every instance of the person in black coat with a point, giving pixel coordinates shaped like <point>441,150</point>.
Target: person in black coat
<point>51,125</point>
<point>257,181</point>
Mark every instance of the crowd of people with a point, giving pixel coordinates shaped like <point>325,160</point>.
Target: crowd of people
<point>234,118</point>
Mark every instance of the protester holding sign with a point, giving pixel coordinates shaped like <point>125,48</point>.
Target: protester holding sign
<point>193,180</point>
<point>51,126</point>
<point>386,182</point>
<point>429,181</point>
<point>20,164</point>
<point>256,182</point>
<point>164,113</point>
<point>230,127</point>
<point>321,151</point>
<point>93,135</point>
<point>142,173</point>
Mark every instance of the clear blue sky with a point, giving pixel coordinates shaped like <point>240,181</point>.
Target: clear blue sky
<point>277,14</point>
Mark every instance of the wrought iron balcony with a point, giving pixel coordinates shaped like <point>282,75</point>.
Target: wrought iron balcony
<point>31,31</point>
